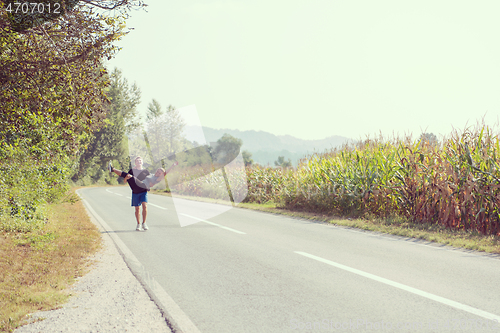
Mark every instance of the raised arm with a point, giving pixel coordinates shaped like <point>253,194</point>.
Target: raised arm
<point>168,170</point>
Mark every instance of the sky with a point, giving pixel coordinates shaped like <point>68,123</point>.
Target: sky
<point>314,69</point>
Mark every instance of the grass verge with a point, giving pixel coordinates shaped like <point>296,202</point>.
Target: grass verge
<point>395,226</point>
<point>38,266</point>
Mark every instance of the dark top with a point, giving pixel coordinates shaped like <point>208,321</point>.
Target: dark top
<point>137,187</point>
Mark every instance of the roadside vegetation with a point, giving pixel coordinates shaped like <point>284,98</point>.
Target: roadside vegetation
<point>60,109</point>
<point>446,192</point>
<point>40,263</point>
<point>416,188</point>
<point>64,116</point>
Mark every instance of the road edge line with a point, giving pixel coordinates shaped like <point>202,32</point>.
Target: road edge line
<point>176,319</point>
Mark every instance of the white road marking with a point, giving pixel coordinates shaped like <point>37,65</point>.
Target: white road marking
<point>215,224</point>
<point>171,310</point>
<point>107,190</point>
<point>152,204</point>
<point>415,291</point>
<point>149,203</point>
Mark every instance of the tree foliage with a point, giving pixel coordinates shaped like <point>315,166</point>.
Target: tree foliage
<point>53,80</point>
<point>21,20</point>
<point>226,149</point>
<point>164,130</point>
<point>124,99</point>
<point>247,157</point>
<point>53,97</point>
<point>282,163</point>
<point>154,110</point>
<point>428,138</point>
<point>109,142</point>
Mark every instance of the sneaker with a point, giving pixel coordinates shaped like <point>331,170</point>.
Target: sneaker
<point>145,226</point>
<point>110,167</point>
<point>138,228</point>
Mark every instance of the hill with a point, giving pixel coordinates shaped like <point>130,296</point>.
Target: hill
<point>266,147</point>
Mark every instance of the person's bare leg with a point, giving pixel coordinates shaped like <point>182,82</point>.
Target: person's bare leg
<point>144,215</point>
<point>137,208</point>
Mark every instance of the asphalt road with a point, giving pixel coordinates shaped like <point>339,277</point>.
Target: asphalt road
<point>248,271</point>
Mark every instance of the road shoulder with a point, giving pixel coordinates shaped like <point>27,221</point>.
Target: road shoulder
<point>107,299</point>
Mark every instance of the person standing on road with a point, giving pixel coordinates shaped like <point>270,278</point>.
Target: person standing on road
<point>136,179</point>
<point>139,194</point>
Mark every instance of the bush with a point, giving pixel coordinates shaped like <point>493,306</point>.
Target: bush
<point>25,187</point>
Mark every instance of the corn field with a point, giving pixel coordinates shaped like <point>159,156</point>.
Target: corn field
<point>454,183</point>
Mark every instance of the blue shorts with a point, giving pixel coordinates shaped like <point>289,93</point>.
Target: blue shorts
<point>138,199</point>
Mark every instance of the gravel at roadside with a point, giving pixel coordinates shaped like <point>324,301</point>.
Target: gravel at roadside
<point>107,299</point>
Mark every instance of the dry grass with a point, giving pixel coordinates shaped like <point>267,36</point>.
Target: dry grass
<point>469,240</point>
<point>37,267</point>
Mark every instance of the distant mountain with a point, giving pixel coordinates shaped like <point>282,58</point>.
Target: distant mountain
<point>266,147</point>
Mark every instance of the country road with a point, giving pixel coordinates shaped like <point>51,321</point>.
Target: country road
<point>248,271</point>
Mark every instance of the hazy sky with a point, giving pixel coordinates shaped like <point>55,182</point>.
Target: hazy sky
<point>314,68</point>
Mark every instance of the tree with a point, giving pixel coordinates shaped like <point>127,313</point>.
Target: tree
<point>52,80</point>
<point>247,157</point>
<point>164,131</point>
<point>154,110</point>
<point>20,20</point>
<point>282,163</point>
<point>174,129</point>
<point>124,99</point>
<point>52,95</point>
<point>108,143</point>
<point>226,149</point>
<point>154,135</point>
<point>428,138</point>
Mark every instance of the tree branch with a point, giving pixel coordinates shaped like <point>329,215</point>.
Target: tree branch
<point>118,4</point>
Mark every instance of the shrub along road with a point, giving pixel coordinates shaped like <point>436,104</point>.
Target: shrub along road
<point>249,271</point>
